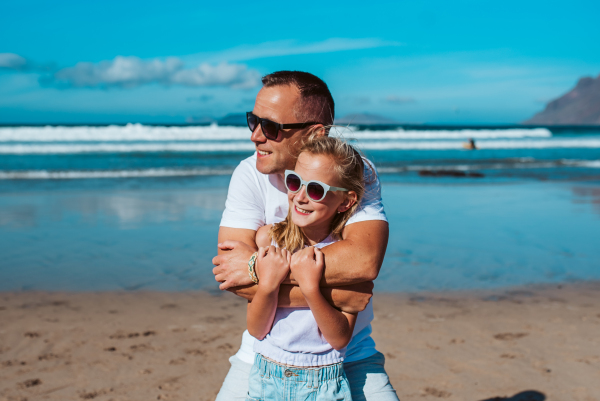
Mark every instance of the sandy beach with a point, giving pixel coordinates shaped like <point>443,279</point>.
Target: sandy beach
<point>539,343</point>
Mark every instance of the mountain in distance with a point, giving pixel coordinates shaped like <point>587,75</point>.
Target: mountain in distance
<point>364,119</point>
<point>200,120</point>
<point>579,106</point>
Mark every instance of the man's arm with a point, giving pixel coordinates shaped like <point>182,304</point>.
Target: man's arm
<point>231,270</point>
<point>350,298</point>
<point>359,256</point>
<point>355,259</point>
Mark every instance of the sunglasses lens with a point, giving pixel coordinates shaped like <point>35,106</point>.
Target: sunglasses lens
<point>315,191</point>
<point>269,129</point>
<point>252,121</point>
<point>293,182</point>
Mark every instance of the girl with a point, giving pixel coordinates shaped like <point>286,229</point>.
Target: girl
<point>300,350</point>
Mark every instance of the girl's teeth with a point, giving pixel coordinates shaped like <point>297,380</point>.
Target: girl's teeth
<point>264,153</point>
<point>303,211</point>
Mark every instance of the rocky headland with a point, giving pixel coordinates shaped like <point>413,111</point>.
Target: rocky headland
<point>579,106</point>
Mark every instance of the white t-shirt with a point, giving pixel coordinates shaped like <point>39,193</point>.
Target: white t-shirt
<point>255,199</point>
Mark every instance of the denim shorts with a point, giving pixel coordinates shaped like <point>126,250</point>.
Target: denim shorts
<point>272,381</point>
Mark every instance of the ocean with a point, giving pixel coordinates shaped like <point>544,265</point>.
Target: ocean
<point>91,208</point>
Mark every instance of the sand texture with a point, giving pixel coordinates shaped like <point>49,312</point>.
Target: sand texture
<point>524,344</point>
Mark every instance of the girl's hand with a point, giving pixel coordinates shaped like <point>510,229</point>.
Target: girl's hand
<point>272,267</point>
<point>307,268</point>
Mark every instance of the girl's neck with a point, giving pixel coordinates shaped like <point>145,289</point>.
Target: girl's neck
<point>315,235</point>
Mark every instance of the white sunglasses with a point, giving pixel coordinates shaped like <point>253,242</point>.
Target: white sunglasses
<point>315,190</point>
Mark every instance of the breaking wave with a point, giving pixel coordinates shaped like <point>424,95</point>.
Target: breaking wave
<point>138,132</point>
<point>80,174</point>
<point>247,146</point>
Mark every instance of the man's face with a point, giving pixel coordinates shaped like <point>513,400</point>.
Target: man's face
<point>276,103</point>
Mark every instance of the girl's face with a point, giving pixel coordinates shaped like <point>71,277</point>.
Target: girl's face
<point>307,213</point>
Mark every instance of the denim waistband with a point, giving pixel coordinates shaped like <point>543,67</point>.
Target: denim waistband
<point>313,376</point>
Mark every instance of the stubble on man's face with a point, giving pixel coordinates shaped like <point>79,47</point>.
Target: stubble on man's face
<point>277,103</point>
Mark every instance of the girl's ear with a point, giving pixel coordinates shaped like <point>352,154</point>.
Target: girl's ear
<point>348,202</point>
<point>317,130</point>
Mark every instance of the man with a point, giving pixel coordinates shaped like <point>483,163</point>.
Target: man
<point>290,106</point>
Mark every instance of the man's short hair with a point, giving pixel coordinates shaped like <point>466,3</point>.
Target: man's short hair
<point>316,103</point>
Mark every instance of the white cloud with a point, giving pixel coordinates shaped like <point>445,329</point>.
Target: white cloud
<point>12,61</point>
<point>128,72</point>
<point>236,76</point>
<point>210,69</point>
<point>122,71</point>
<point>293,47</point>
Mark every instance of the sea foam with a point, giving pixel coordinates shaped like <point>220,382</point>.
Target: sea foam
<point>138,132</point>
<point>247,146</point>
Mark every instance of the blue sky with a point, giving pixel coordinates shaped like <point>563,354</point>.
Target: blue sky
<point>422,62</point>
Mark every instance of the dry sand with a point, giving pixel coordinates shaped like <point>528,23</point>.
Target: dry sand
<point>175,346</point>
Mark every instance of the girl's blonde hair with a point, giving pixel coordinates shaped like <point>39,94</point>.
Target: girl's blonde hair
<point>349,167</point>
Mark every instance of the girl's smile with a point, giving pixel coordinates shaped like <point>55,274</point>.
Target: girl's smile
<point>302,211</point>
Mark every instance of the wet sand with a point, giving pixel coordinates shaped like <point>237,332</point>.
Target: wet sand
<point>542,343</point>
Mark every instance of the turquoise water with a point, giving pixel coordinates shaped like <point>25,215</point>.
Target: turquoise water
<point>443,236</point>
<point>491,235</point>
<point>137,207</point>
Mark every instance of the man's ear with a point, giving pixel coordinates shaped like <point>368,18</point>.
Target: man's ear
<point>348,202</point>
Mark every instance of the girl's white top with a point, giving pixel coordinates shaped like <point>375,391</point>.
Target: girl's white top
<point>295,338</point>
<point>255,199</point>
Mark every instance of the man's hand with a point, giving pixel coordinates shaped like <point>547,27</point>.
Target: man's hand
<point>232,266</point>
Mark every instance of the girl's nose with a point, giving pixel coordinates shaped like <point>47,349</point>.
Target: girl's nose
<point>301,195</point>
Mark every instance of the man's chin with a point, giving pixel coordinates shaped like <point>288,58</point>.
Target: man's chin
<point>266,168</point>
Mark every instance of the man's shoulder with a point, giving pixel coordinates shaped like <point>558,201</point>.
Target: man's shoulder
<point>247,176</point>
<point>248,164</point>
<point>369,165</point>
<point>245,204</point>
<point>371,176</point>
<point>247,169</point>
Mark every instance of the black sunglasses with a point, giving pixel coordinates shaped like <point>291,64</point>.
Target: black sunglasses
<point>270,128</point>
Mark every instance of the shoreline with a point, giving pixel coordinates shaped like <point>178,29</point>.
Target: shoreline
<point>459,345</point>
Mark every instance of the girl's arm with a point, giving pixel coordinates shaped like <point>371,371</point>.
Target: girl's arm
<point>272,267</point>
<point>262,236</point>
<point>336,326</point>
<point>261,312</point>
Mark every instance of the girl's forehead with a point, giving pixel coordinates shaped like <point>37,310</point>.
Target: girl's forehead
<point>316,167</point>
<point>314,163</point>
